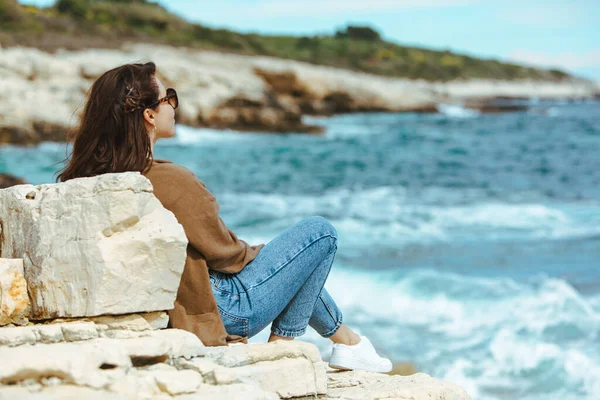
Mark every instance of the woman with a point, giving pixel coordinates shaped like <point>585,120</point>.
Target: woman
<point>229,290</point>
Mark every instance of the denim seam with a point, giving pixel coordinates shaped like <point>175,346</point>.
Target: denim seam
<point>293,258</point>
<point>215,287</point>
<point>243,321</point>
<point>215,281</point>
<point>327,307</point>
<point>335,329</point>
<point>293,333</point>
<point>234,295</point>
<point>338,323</point>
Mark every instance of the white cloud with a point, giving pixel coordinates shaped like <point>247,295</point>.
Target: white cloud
<point>568,60</point>
<point>276,8</point>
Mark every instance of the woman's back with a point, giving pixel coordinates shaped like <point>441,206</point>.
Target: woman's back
<point>211,245</point>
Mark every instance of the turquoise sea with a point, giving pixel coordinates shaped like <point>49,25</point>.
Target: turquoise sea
<point>469,245</point>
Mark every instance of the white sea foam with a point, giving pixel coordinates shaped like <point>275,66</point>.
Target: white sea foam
<point>595,303</point>
<point>389,216</point>
<point>456,111</point>
<point>185,135</point>
<point>496,337</point>
<point>54,147</point>
<point>527,328</point>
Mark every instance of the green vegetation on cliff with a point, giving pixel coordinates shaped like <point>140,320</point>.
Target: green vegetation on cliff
<point>75,24</point>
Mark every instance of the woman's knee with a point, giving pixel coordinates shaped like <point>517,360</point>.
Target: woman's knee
<point>321,225</point>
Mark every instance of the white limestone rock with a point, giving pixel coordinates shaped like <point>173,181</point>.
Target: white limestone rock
<point>178,382</point>
<point>17,336</point>
<point>240,354</point>
<point>121,334</point>
<point>136,368</point>
<point>290,369</point>
<point>360,385</point>
<point>145,349</point>
<point>76,331</point>
<point>288,377</point>
<point>51,333</point>
<point>94,246</point>
<point>166,343</point>
<point>159,367</point>
<point>93,363</point>
<point>142,383</point>
<point>202,365</point>
<point>130,322</point>
<point>137,385</point>
<point>239,391</point>
<point>14,302</point>
<point>157,320</point>
<point>183,343</point>
<point>158,346</point>
<point>155,382</point>
<point>212,373</point>
<point>62,392</point>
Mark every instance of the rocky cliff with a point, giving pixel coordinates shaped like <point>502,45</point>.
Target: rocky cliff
<point>47,91</point>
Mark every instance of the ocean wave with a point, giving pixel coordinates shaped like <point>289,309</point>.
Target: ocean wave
<point>390,216</point>
<point>489,335</point>
<point>449,300</point>
<point>496,337</point>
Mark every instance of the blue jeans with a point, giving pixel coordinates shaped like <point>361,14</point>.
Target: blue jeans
<point>283,285</point>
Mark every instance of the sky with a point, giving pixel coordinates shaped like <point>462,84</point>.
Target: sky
<point>547,33</point>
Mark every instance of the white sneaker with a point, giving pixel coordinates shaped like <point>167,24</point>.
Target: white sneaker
<point>359,356</point>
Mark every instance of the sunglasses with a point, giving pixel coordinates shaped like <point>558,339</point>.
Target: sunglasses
<point>170,98</point>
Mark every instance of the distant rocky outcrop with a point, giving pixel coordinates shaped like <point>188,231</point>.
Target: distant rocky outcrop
<point>105,251</point>
<point>228,91</point>
<point>7,180</point>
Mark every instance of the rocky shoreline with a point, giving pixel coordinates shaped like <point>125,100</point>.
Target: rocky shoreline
<point>226,91</point>
<point>88,268</point>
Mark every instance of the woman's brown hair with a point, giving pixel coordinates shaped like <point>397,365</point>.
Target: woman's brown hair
<point>112,136</point>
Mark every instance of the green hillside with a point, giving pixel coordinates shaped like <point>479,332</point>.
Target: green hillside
<point>75,24</point>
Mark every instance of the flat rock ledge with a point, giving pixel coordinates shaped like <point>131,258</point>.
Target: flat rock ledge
<point>125,357</point>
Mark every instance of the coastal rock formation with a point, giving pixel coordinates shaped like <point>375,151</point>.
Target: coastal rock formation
<point>93,246</point>
<point>95,360</point>
<point>371,386</point>
<point>229,91</point>
<point>286,368</point>
<point>14,302</point>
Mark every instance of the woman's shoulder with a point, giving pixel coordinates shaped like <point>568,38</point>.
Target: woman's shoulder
<point>173,184</point>
<point>160,166</point>
<point>168,173</point>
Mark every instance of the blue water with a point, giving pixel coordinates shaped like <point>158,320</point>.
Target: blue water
<point>469,244</point>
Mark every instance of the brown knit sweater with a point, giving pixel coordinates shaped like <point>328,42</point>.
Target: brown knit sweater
<point>211,245</point>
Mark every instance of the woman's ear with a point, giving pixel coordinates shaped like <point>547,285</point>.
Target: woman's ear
<point>149,116</point>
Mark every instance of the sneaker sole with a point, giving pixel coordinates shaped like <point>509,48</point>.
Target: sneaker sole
<point>351,364</point>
